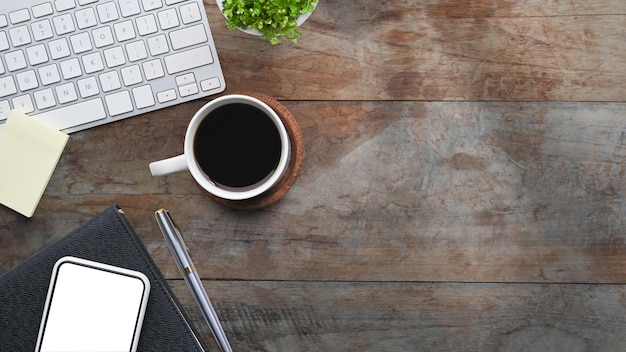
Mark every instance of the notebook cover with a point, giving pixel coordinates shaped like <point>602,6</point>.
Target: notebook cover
<point>108,238</point>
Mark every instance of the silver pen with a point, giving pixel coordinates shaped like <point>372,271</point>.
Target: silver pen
<point>183,261</point>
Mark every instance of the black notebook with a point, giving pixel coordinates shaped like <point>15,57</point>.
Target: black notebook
<point>108,238</point>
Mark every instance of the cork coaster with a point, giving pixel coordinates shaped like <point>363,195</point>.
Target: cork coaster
<point>293,168</point>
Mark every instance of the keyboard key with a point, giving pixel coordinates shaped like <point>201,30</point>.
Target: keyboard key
<point>93,62</point>
<point>42,30</point>
<point>188,36</point>
<point>124,31</point>
<point>168,19</point>
<point>131,75</point>
<point>2,68</point>
<point>44,99</point>
<point>172,2</point>
<point>107,12</point>
<point>102,37</point>
<point>5,109</point>
<point>7,86</point>
<point>27,80</point>
<point>190,13</point>
<point>153,69</point>
<point>158,45</point>
<point>86,18</point>
<point>3,21</point>
<point>4,41</point>
<point>188,90</point>
<point>19,16</point>
<point>146,25</point>
<point>66,93</point>
<point>110,81</point>
<point>88,87</point>
<point>15,60</point>
<point>129,7</point>
<point>62,5</point>
<point>23,103</point>
<point>149,5</point>
<point>186,60</point>
<point>59,48</point>
<point>71,68</point>
<point>63,24</point>
<point>143,96</point>
<point>166,95</point>
<point>41,10</point>
<point>86,2</point>
<point>114,57</point>
<point>119,103</point>
<point>49,74</point>
<point>74,115</point>
<point>37,54</point>
<point>19,36</point>
<point>185,79</point>
<point>210,84</point>
<point>81,43</point>
<point>136,51</point>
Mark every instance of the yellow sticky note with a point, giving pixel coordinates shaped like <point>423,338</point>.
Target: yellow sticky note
<point>29,152</point>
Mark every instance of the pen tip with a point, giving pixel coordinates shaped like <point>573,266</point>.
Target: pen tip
<point>160,211</point>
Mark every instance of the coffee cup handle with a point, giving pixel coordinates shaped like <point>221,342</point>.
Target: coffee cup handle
<point>169,166</point>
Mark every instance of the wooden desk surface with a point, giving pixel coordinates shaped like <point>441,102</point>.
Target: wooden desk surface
<point>463,187</point>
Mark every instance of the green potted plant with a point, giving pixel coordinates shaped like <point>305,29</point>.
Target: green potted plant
<point>274,20</point>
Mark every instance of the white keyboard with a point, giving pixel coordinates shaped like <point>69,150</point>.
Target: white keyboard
<point>76,64</point>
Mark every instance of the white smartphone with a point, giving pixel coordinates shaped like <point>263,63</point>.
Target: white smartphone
<point>92,307</point>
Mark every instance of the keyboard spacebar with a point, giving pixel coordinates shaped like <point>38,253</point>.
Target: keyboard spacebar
<point>74,115</point>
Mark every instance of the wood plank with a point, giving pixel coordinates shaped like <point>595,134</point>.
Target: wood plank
<point>314,316</point>
<point>438,50</point>
<point>389,191</point>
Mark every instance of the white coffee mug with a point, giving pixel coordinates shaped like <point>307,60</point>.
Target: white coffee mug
<point>189,160</point>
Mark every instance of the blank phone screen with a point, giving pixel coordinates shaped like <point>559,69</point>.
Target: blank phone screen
<point>92,309</point>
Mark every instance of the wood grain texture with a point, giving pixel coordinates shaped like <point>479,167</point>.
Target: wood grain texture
<point>438,50</point>
<point>295,316</point>
<point>462,187</point>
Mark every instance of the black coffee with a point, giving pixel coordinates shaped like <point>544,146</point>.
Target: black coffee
<point>237,145</point>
